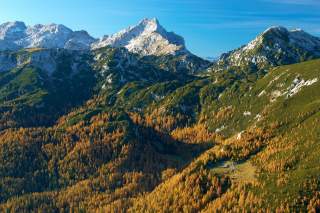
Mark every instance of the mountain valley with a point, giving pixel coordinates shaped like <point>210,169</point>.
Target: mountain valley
<point>134,122</point>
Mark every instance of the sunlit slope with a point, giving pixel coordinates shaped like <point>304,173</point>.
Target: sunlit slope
<point>275,163</point>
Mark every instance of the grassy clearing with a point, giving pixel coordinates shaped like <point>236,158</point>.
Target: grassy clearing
<point>243,172</point>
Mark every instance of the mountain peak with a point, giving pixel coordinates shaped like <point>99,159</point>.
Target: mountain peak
<point>16,35</point>
<point>148,37</point>
<point>12,30</point>
<point>279,29</point>
<point>147,21</point>
<point>14,24</point>
<point>52,28</point>
<point>275,46</point>
<point>150,25</point>
<point>297,30</point>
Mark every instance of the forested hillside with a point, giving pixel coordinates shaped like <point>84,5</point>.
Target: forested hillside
<point>111,130</point>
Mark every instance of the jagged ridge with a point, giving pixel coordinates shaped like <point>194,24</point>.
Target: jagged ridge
<point>16,35</point>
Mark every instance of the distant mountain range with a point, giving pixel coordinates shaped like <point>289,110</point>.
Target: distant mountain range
<point>275,46</point>
<point>146,38</point>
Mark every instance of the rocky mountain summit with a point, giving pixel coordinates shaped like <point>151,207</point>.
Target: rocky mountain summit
<point>16,35</point>
<point>146,38</point>
<point>275,46</point>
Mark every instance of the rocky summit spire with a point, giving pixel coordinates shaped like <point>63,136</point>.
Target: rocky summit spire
<point>148,37</point>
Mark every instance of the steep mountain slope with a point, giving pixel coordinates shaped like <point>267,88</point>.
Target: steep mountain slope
<point>36,82</point>
<point>275,46</point>
<point>268,159</point>
<point>286,168</point>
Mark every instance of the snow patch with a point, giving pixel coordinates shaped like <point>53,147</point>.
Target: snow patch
<point>298,84</point>
<point>258,117</point>
<point>157,97</point>
<point>220,129</point>
<point>120,91</point>
<point>239,135</point>
<point>275,94</point>
<point>262,93</point>
<point>109,79</point>
<point>247,113</point>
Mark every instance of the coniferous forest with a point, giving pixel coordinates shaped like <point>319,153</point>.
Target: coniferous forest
<point>158,129</point>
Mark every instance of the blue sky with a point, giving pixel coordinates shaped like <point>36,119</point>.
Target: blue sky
<point>210,27</point>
